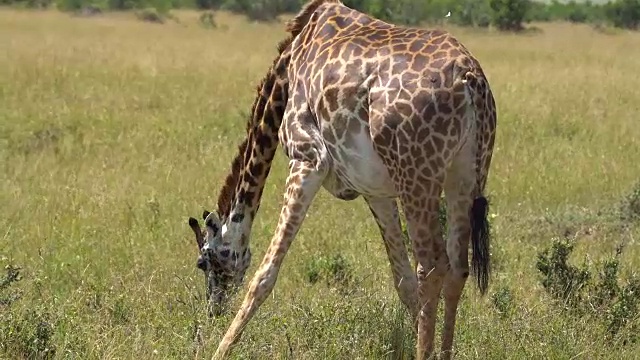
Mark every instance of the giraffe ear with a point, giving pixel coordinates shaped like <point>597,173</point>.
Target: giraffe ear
<point>195,226</point>
<point>205,214</point>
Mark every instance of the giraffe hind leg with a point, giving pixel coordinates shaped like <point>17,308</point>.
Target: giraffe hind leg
<point>385,212</point>
<point>459,191</point>
<point>421,206</point>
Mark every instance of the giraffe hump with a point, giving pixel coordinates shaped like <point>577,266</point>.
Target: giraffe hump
<point>295,25</point>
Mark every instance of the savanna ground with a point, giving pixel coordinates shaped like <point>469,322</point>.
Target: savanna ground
<point>114,131</point>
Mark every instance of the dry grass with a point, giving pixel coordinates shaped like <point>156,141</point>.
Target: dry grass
<point>114,131</point>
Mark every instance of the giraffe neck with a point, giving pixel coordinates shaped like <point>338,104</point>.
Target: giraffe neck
<point>239,199</point>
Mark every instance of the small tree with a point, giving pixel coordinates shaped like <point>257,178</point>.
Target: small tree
<point>508,15</point>
<point>624,14</point>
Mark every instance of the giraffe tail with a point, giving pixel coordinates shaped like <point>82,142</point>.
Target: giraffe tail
<point>480,242</point>
<point>480,231</point>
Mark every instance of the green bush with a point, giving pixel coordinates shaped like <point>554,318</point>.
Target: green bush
<point>624,14</point>
<point>503,301</point>
<point>8,295</point>
<point>207,20</point>
<point>335,271</point>
<point>508,15</point>
<point>471,13</point>
<point>606,296</point>
<point>121,4</point>
<point>257,10</point>
<point>27,334</point>
<point>561,279</point>
<point>209,4</point>
<point>577,13</point>
<point>150,15</point>
<point>630,207</point>
<point>539,11</point>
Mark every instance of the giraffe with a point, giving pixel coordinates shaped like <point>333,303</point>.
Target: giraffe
<point>391,114</point>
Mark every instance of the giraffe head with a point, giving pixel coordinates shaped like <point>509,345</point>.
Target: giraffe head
<point>223,264</point>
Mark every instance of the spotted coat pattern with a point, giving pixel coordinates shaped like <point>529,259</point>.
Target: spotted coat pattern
<point>387,113</point>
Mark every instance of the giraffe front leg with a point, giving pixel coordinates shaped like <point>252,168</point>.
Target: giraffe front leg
<point>385,212</point>
<point>302,184</point>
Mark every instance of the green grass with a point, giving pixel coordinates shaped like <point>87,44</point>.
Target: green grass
<point>114,131</point>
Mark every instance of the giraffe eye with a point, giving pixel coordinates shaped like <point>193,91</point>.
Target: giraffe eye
<point>201,264</point>
<point>237,218</point>
<point>213,227</point>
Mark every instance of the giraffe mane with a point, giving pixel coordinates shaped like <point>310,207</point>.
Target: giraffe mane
<point>295,25</point>
<point>228,192</point>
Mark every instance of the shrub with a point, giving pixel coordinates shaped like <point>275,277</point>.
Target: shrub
<point>8,295</point>
<point>471,13</point>
<point>121,4</point>
<point>508,15</point>
<point>630,209</point>
<point>335,270</point>
<point>539,11</point>
<point>207,20</point>
<point>624,14</point>
<point>25,334</point>
<point>209,4</point>
<point>89,10</point>
<point>150,15</point>
<point>577,12</point>
<point>503,301</point>
<point>28,334</point>
<point>561,279</point>
<point>70,5</point>
<point>618,306</point>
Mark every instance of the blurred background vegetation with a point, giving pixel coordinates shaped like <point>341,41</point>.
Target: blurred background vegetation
<point>507,15</point>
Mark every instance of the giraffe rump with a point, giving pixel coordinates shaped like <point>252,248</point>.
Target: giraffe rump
<point>480,242</point>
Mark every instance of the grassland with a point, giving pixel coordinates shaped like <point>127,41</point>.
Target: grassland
<point>114,131</point>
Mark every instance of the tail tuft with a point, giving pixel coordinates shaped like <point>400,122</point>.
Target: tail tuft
<point>480,241</point>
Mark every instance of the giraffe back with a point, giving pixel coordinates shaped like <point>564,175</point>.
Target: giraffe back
<point>360,74</point>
